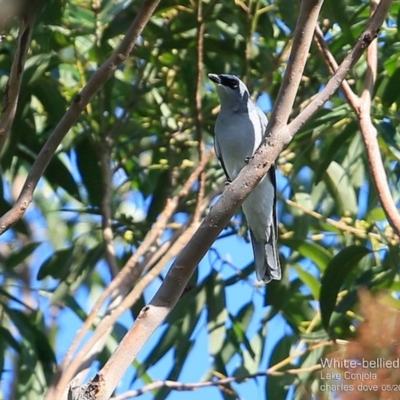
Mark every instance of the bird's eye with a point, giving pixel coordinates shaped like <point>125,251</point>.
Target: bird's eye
<point>234,85</point>
<point>230,82</point>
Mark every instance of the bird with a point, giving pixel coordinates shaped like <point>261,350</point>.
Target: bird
<point>239,131</point>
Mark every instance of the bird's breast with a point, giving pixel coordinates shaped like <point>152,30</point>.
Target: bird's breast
<point>238,137</point>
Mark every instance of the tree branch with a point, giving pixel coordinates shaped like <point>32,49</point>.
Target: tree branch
<point>272,371</point>
<point>13,87</point>
<point>370,137</point>
<point>181,386</point>
<point>335,82</point>
<point>98,79</point>
<point>362,109</point>
<point>169,293</point>
<point>199,119</point>
<point>106,216</point>
<point>176,280</point>
<point>303,35</point>
<point>359,232</point>
<point>72,362</point>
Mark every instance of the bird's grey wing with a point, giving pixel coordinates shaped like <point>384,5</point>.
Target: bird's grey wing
<point>218,153</point>
<point>272,176</point>
<point>266,254</point>
<point>271,172</point>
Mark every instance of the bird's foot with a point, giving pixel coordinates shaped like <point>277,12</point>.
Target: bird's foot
<point>248,159</point>
<point>228,182</point>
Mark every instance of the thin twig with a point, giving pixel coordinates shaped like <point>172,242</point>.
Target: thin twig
<point>334,83</point>
<point>199,119</point>
<point>333,65</point>
<point>272,371</point>
<point>11,93</point>
<point>106,216</point>
<point>362,233</point>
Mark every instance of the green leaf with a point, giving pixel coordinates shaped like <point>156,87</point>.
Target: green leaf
<point>311,250</point>
<point>309,280</point>
<point>339,185</point>
<point>389,95</point>
<point>335,275</point>
<point>20,255</point>
<point>332,147</point>
<point>57,265</point>
<point>89,168</point>
<point>160,194</point>
<point>240,326</point>
<point>217,314</point>
<point>278,386</point>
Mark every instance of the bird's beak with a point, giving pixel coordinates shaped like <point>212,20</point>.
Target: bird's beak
<point>215,78</point>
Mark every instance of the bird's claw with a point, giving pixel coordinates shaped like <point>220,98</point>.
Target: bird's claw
<point>248,159</point>
<point>228,182</point>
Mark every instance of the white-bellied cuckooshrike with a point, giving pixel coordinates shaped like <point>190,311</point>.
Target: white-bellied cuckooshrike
<point>239,131</point>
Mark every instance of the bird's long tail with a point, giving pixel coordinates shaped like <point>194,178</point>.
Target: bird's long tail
<point>266,257</point>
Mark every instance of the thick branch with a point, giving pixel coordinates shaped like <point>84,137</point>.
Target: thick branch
<point>303,35</point>
<point>77,106</point>
<point>72,361</point>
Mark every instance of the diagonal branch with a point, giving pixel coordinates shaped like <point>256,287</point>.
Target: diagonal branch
<point>303,35</point>
<point>333,65</point>
<point>13,87</point>
<point>73,360</point>
<point>96,81</point>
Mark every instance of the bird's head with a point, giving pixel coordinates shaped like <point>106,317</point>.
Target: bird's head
<point>231,90</point>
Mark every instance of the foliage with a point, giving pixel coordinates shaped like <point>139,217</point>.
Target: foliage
<point>134,148</point>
